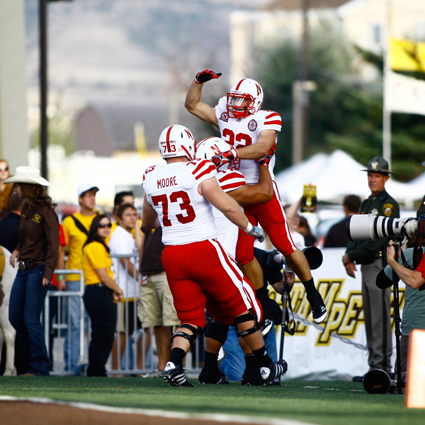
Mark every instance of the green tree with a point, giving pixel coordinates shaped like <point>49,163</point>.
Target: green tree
<point>60,129</point>
<point>345,112</point>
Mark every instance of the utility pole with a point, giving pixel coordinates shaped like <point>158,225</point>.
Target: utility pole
<point>386,113</point>
<point>44,135</point>
<point>43,86</point>
<point>300,94</point>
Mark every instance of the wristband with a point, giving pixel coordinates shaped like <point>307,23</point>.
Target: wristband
<point>249,227</point>
<point>196,81</point>
<point>59,277</point>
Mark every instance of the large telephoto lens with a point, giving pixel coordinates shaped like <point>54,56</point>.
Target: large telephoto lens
<point>370,227</point>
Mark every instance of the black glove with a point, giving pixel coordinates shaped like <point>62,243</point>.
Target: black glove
<point>207,75</point>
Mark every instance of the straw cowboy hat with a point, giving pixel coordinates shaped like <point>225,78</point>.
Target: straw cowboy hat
<point>29,175</point>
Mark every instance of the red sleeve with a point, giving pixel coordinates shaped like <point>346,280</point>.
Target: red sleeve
<point>421,266</point>
<point>62,240</point>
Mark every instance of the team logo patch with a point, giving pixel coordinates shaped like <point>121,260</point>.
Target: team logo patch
<point>252,125</point>
<point>388,209</point>
<point>224,117</point>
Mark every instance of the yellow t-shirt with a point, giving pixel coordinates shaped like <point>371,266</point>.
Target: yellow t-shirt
<point>75,240</point>
<point>95,257</point>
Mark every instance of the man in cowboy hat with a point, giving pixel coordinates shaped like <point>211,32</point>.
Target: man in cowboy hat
<point>371,255</point>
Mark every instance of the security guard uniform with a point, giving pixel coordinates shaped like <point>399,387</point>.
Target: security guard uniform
<point>370,254</point>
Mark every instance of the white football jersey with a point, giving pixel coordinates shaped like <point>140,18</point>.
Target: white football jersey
<point>245,132</point>
<point>227,232</point>
<point>172,190</point>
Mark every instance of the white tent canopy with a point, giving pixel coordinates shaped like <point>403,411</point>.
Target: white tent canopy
<point>335,176</point>
<point>418,184</point>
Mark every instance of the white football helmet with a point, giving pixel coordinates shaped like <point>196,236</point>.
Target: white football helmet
<point>245,98</point>
<point>177,140</point>
<point>211,146</point>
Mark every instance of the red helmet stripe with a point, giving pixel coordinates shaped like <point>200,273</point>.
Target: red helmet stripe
<point>239,84</point>
<point>168,138</point>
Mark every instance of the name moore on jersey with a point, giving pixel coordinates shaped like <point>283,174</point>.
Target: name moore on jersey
<point>172,190</point>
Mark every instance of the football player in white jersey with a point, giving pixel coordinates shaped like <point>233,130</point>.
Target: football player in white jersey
<point>252,132</point>
<point>233,183</point>
<point>179,197</point>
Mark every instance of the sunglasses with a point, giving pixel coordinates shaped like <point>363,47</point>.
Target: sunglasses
<point>102,226</point>
<point>4,169</point>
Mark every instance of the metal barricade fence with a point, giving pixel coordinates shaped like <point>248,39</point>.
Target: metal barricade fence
<point>139,347</point>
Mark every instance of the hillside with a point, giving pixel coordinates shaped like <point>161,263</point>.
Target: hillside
<point>130,48</point>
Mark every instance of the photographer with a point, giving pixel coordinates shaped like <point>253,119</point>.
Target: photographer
<point>369,253</point>
<point>414,279</point>
<point>414,305</point>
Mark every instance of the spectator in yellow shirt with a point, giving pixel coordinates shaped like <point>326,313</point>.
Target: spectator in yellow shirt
<point>100,293</point>
<point>76,229</point>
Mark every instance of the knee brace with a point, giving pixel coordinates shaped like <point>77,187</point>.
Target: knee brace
<point>246,318</point>
<point>217,330</point>
<point>190,337</point>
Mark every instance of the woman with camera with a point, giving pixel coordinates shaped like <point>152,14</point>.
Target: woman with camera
<point>100,293</point>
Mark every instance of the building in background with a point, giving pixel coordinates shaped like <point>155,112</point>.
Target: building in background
<point>14,140</point>
<point>363,22</point>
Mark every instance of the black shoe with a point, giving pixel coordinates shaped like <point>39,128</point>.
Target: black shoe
<point>358,378</point>
<point>318,307</point>
<point>319,314</point>
<point>275,370</point>
<point>266,327</point>
<point>252,377</point>
<point>175,376</point>
<point>212,375</point>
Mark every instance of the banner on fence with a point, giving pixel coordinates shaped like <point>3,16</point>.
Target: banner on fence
<point>334,349</point>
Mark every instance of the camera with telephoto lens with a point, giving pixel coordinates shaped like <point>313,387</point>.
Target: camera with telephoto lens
<point>370,227</point>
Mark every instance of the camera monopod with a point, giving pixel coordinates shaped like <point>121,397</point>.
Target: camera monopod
<point>314,258</point>
<point>284,318</point>
<point>379,381</point>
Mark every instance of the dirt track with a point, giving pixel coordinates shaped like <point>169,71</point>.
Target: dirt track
<point>29,413</point>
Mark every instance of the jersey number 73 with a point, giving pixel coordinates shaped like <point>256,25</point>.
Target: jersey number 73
<point>184,205</point>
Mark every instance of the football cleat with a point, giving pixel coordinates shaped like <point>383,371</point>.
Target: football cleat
<point>319,313</point>
<point>269,374</point>
<point>212,375</point>
<point>318,307</point>
<point>266,327</point>
<point>175,376</point>
<point>252,377</point>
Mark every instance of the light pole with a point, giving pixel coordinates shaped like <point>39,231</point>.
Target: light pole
<point>44,138</point>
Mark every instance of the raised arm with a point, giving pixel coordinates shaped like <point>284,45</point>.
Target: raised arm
<point>193,98</point>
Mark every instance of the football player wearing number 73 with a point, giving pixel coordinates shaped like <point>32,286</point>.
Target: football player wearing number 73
<point>252,132</point>
<point>179,197</point>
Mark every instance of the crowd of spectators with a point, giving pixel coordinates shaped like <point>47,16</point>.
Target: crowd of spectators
<point>130,293</point>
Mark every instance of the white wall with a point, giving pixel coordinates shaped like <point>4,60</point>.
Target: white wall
<point>14,140</point>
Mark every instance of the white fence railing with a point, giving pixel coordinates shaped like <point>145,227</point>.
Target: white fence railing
<point>140,354</point>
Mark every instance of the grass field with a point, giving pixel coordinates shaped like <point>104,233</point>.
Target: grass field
<point>318,402</point>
